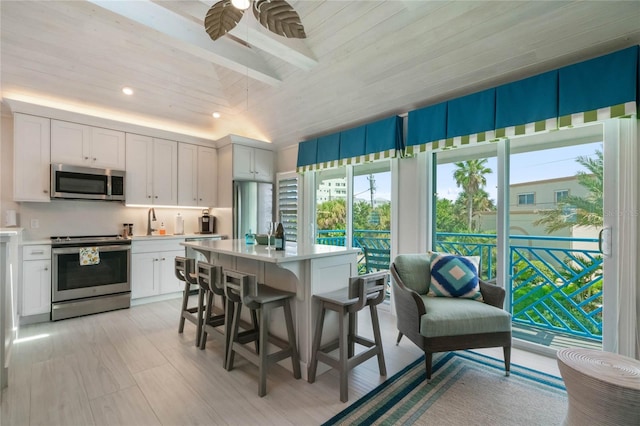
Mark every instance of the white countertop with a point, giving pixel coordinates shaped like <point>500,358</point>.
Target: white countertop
<point>175,236</point>
<point>135,237</point>
<point>10,231</point>
<point>293,252</point>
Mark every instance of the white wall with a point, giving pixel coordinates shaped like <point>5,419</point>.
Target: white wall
<point>287,159</point>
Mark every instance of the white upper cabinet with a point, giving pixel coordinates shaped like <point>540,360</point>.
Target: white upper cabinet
<point>187,174</point>
<point>207,176</point>
<point>197,175</point>
<point>152,171</point>
<point>31,158</point>
<point>252,164</point>
<point>82,145</point>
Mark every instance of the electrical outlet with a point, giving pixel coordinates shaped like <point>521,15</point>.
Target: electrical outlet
<point>35,224</point>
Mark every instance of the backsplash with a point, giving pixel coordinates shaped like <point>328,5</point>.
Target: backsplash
<point>69,217</point>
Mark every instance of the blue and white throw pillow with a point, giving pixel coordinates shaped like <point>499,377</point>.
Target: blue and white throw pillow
<point>454,276</point>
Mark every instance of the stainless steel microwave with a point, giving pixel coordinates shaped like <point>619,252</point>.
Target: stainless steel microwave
<point>86,183</point>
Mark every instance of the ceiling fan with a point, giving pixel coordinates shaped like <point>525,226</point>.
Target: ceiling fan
<point>275,15</point>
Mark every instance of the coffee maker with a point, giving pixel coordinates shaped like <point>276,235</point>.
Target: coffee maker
<point>206,223</point>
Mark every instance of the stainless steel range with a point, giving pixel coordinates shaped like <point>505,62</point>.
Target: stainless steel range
<point>89,275</point>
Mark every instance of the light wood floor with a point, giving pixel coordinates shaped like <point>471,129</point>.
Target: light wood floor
<point>131,367</point>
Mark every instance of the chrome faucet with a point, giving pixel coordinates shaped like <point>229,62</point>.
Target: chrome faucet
<point>151,215</point>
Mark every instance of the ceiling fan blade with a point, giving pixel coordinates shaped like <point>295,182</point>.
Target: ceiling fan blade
<point>279,17</point>
<point>221,18</point>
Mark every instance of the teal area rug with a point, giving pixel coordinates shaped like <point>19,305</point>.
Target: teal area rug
<point>466,388</point>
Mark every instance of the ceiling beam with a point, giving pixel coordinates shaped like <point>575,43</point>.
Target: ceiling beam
<point>186,35</point>
<point>291,50</point>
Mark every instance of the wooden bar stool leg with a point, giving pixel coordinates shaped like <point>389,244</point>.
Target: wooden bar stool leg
<point>200,315</point>
<point>256,326</point>
<point>291,334</point>
<point>185,301</point>
<point>317,338</point>
<point>207,314</point>
<point>378,339</point>
<point>353,321</point>
<point>263,343</point>
<point>344,358</point>
<point>235,325</point>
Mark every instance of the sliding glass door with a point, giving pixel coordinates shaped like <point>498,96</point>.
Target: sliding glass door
<point>555,217</point>
<point>466,204</point>
<point>542,195</point>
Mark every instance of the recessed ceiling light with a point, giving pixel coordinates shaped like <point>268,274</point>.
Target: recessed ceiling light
<point>127,91</point>
<point>216,115</point>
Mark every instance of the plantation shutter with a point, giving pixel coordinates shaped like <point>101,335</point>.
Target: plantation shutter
<point>288,204</point>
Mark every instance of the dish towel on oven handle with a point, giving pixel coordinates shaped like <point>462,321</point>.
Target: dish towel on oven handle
<point>89,256</point>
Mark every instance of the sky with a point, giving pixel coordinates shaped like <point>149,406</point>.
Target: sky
<point>525,167</point>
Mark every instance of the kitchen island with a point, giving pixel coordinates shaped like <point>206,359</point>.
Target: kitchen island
<point>304,269</point>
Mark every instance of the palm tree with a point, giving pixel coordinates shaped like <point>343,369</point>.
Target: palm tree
<point>470,176</point>
<point>588,209</point>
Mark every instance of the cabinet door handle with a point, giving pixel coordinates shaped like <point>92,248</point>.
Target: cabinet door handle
<point>86,158</point>
<point>46,268</point>
<point>95,159</point>
<point>37,252</point>
<point>45,191</point>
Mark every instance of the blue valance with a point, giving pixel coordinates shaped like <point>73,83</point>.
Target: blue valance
<point>353,142</point>
<point>370,142</point>
<point>328,148</point>
<point>527,101</point>
<point>307,152</point>
<point>470,114</point>
<point>600,88</point>
<point>601,82</point>
<point>429,124</point>
<point>384,135</point>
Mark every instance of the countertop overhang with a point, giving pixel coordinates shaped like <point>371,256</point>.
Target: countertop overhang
<point>293,252</point>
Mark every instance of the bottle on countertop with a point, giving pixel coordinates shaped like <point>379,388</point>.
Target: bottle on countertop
<point>163,230</point>
<point>279,237</point>
<point>179,225</point>
<point>249,238</point>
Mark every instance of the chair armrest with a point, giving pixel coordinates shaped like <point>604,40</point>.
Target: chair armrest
<point>492,294</point>
<point>409,307</point>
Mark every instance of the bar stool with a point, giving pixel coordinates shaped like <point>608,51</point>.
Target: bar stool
<point>210,281</point>
<point>366,290</point>
<point>185,271</point>
<point>242,290</point>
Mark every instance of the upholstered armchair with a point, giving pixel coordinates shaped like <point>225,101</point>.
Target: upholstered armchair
<point>439,324</point>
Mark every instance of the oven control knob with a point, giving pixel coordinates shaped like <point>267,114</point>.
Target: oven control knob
<point>68,239</point>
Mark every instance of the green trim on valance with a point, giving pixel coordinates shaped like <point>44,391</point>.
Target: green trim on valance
<point>361,159</point>
<point>615,111</point>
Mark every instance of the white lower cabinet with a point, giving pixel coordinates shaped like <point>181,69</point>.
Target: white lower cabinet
<point>36,280</point>
<point>152,268</point>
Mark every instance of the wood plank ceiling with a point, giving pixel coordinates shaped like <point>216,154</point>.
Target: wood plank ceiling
<point>362,60</point>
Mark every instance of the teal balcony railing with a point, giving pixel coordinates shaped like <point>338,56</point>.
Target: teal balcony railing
<point>556,282</point>
<point>375,246</point>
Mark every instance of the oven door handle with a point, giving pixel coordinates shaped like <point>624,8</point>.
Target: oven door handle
<point>71,250</point>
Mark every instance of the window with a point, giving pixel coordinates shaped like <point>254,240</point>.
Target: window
<point>288,204</point>
<point>561,195</point>
<point>527,198</point>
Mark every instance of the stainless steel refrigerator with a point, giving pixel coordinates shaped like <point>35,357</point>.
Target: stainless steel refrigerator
<point>252,207</point>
